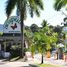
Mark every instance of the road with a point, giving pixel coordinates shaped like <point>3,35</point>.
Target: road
<point>27,64</point>
<point>13,64</point>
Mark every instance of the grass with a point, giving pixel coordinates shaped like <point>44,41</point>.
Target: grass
<point>47,65</point>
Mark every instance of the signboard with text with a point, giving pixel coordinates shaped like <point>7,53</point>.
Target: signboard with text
<point>12,25</point>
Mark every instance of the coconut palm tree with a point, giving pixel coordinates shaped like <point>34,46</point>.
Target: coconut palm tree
<point>59,4</point>
<point>24,6</point>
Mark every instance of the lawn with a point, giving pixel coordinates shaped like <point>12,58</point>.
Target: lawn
<point>47,65</point>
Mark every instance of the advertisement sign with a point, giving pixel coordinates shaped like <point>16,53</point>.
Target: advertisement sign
<point>12,25</point>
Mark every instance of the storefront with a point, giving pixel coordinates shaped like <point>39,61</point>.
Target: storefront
<point>11,33</point>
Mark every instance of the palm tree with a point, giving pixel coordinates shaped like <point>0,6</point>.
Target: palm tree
<point>32,6</point>
<point>43,41</point>
<point>44,23</point>
<point>59,4</point>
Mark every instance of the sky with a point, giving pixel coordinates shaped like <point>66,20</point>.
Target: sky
<point>49,14</point>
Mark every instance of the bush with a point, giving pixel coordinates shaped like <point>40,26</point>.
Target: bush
<point>15,52</point>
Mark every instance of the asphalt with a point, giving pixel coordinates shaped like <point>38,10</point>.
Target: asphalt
<point>30,62</point>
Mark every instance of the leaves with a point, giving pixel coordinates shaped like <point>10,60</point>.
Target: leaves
<point>59,4</point>
<point>10,4</point>
<point>44,39</point>
<point>30,6</point>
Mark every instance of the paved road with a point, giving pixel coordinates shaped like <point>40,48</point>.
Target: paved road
<point>26,64</point>
<point>16,64</point>
<point>13,64</point>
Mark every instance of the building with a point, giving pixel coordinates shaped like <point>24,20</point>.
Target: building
<point>10,33</point>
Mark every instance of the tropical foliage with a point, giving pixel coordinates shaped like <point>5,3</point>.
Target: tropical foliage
<point>34,28</point>
<point>24,6</point>
<point>33,6</point>
<point>59,4</point>
<point>43,40</point>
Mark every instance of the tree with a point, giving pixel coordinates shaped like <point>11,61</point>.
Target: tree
<point>34,28</point>
<point>32,6</point>
<point>40,43</point>
<point>59,4</point>
<point>43,41</point>
<point>28,35</point>
<point>44,23</point>
<point>65,20</point>
<point>57,29</point>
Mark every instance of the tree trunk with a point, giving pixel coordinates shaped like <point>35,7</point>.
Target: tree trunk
<point>42,59</point>
<point>22,39</point>
<point>21,9</point>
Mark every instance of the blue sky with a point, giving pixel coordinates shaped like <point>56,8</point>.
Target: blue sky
<point>53,17</point>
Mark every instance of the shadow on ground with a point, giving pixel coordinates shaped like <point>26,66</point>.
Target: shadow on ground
<point>10,59</point>
<point>2,63</point>
<point>30,65</point>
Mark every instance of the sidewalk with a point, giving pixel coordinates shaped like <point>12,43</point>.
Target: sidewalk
<point>51,60</point>
<point>59,63</point>
<point>32,61</point>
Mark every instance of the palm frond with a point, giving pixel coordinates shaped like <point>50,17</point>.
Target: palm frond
<point>10,6</point>
<point>37,12</point>
<point>58,4</point>
<point>39,3</point>
<point>32,7</point>
<point>35,6</point>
